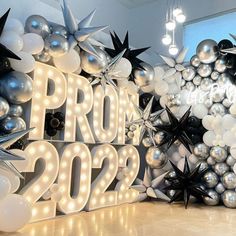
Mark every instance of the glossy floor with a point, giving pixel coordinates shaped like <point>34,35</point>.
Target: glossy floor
<point>140,219</point>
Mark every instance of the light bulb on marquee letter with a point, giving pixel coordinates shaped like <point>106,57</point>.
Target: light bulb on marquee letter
<point>126,114</point>
<point>45,78</point>
<point>105,113</point>
<point>79,103</point>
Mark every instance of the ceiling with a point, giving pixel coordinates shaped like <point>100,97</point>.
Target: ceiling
<point>135,3</point>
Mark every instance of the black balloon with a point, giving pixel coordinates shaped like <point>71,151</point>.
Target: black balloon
<point>225,44</point>
<point>144,100</point>
<point>5,66</point>
<point>19,144</point>
<point>54,123</point>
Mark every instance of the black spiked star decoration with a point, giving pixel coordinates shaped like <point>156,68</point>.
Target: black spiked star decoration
<point>130,54</point>
<point>176,130</point>
<point>187,183</point>
<point>5,53</point>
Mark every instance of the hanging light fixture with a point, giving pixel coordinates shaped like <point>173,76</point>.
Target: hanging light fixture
<point>180,18</point>
<point>178,13</point>
<point>170,22</point>
<point>166,40</point>
<point>173,49</point>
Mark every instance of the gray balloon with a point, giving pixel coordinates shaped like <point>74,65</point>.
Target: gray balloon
<point>203,165</point>
<point>229,198</point>
<point>215,75</point>
<point>60,30</point>
<point>189,73</point>
<point>226,103</point>
<point>217,109</point>
<point>220,65</point>
<point>211,179</point>
<point>195,61</point>
<point>159,137</point>
<point>147,142</point>
<point>207,51</point>
<point>13,124</point>
<point>4,108</point>
<point>155,158</point>
<point>204,70</point>
<point>16,87</point>
<point>38,25</point>
<point>208,102</point>
<point>190,86</point>
<point>201,150</point>
<point>230,161</point>
<point>43,56</point>
<point>221,168</point>
<point>15,111</point>
<point>211,161</point>
<point>157,122</point>
<point>217,94</point>
<point>218,153</point>
<point>213,200</point>
<point>93,64</point>
<point>130,134</point>
<point>220,188</point>
<point>144,77</point>
<point>224,80</point>
<point>56,45</point>
<point>197,80</point>
<point>229,180</point>
<point>132,127</point>
<point>206,84</point>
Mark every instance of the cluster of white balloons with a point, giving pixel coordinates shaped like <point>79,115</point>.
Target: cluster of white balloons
<point>23,45</point>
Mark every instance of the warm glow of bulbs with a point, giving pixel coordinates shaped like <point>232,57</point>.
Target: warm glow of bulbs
<point>170,25</point>
<point>173,50</point>
<point>177,11</point>
<point>166,40</point>
<point>180,18</point>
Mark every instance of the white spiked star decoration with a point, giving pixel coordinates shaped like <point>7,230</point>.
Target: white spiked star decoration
<point>5,155</point>
<point>108,73</point>
<point>146,120</point>
<point>80,33</point>
<point>148,187</point>
<point>176,66</point>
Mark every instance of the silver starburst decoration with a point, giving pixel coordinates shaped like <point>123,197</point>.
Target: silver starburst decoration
<point>6,156</point>
<point>146,120</point>
<point>108,73</point>
<point>176,66</point>
<point>148,187</point>
<point>80,33</point>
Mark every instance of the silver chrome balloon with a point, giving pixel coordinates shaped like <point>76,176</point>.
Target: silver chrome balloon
<point>220,65</point>
<point>197,80</point>
<point>144,77</point>
<point>15,110</point>
<point>195,61</point>
<point>155,158</point>
<point>211,179</point>
<point>220,188</point>
<point>4,108</point>
<point>130,134</point>
<point>190,86</point>
<point>230,161</point>
<point>189,73</point>
<point>215,75</point>
<point>12,124</point>
<point>211,161</point>
<point>218,153</point>
<point>38,25</point>
<point>221,168</point>
<point>224,80</point>
<point>229,180</point>
<point>147,142</point>
<point>206,84</point>
<point>60,30</point>
<point>217,94</point>
<point>217,109</point>
<point>201,150</point>
<point>56,45</point>
<point>158,138</point>
<point>207,51</point>
<point>43,57</point>
<point>204,70</point>
<point>229,198</point>
<point>93,64</point>
<point>203,165</point>
<point>214,198</point>
<point>16,87</point>
<point>158,122</point>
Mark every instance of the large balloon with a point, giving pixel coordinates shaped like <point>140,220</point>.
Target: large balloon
<point>68,63</point>
<point>156,158</point>
<point>38,25</point>
<point>25,65</point>
<point>14,25</point>
<point>123,68</point>
<point>12,41</point>
<point>33,43</point>
<point>56,45</point>
<point>15,212</point>
<point>12,124</point>
<point>4,108</point>
<point>93,64</point>
<point>5,186</point>
<point>16,87</point>
<point>207,51</point>
<point>14,179</point>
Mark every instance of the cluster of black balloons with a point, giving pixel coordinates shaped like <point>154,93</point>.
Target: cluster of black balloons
<point>54,123</point>
<point>144,100</point>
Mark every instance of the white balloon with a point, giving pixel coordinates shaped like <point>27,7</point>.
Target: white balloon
<point>161,87</point>
<point>33,43</point>
<point>233,151</point>
<point>147,89</point>
<point>15,212</point>
<point>15,25</point>
<point>232,109</point>
<point>68,63</point>
<point>163,100</point>
<point>12,41</point>
<point>123,68</point>
<point>228,121</point>
<point>208,138</point>
<point>14,180</point>
<point>5,186</point>
<point>25,65</point>
<point>200,110</point>
<point>207,122</point>
<point>56,197</point>
<point>174,88</point>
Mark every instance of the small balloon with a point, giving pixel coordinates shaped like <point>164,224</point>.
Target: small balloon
<point>217,109</point>
<point>204,70</point>
<point>213,199</point>
<point>229,198</point>
<point>189,73</point>
<point>221,168</point>
<point>229,180</point>
<point>43,57</point>
<point>60,30</point>
<point>156,158</point>
<point>201,150</point>
<point>195,61</point>
<point>12,41</point>
<point>15,111</point>
<point>5,186</point>
<point>219,154</point>
<point>211,179</point>
<point>4,108</point>
<point>220,65</point>
<point>123,68</point>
